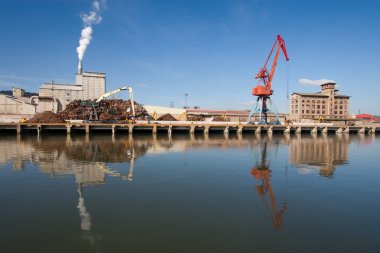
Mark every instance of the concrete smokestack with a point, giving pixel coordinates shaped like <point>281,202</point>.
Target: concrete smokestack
<point>79,72</point>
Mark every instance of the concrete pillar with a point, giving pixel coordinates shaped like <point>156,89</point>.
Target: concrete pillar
<point>39,128</point>
<point>226,130</point>
<point>113,129</point>
<point>373,130</point>
<point>287,130</point>
<point>68,128</point>
<point>362,130</point>
<point>240,129</point>
<point>270,130</point>
<point>207,128</point>
<point>314,130</point>
<point>192,129</point>
<point>347,130</point>
<point>339,130</point>
<point>130,129</point>
<point>258,130</point>
<point>154,130</point>
<point>87,128</point>
<point>325,130</point>
<point>170,129</point>
<point>299,130</point>
<point>18,128</point>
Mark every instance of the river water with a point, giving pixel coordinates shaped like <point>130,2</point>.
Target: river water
<point>186,193</point>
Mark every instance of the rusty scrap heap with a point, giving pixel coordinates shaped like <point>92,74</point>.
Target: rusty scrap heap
<point>108,110</point>
<point>113,109</point>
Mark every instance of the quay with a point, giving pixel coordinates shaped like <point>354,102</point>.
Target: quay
<point>189,127</point>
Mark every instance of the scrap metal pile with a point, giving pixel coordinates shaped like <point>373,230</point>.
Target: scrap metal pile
<point>113,109</point>
<point>107,110</point>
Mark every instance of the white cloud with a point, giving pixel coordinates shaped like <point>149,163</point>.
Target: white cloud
<point>305,81</point>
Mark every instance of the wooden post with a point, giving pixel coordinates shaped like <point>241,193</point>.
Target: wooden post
<point>130,129</point>
<point>314,130</point>
<point>226,130</point>
<point>87,128</point>
<point>240,129</point>
<point>154,130</point>
<point>325,130</point>
<point>299,130</point>
<point>347,130</point>
<point>287,130</point>
<point>362,130</point>
<point>170,129</point>
<point>339,130</point>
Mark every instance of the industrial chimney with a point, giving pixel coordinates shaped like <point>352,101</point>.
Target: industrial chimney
<point>79,72</point>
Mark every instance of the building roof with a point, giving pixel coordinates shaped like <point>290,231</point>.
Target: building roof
<point>57,86</point>
<point>318,94</point>
<point>24,100</point>
<point>311,94</point>
<point>89,73</point>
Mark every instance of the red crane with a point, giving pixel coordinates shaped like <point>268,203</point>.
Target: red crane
<point>263,88</point>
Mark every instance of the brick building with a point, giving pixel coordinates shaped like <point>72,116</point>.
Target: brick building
<point>327,104</point>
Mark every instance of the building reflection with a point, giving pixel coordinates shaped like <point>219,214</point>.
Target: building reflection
<point>318,153</point>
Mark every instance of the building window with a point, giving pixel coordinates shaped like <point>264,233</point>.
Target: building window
<point>68,94</point>
<point>303,111</point>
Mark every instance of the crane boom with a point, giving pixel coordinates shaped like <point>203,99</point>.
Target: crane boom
<point>118,90</point>
<point>266,77</point>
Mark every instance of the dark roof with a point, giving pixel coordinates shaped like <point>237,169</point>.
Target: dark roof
<point>312,94</point>
<point>318,94</point>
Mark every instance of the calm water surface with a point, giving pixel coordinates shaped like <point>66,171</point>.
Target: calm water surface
<point>190,193</point>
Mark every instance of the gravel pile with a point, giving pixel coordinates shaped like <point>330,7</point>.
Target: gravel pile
<point>46,117</point>
<point>167,117</point>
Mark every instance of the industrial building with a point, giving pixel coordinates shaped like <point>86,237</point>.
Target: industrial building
<point>55,97</point>
<point>16,106</point>
<point>325,105</point>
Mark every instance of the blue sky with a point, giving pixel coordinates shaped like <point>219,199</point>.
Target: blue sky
<point>209,49</point>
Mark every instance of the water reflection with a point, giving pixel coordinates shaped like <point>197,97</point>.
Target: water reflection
<point>319,153</point>
<point>262,173</point>
<point>92,159</point>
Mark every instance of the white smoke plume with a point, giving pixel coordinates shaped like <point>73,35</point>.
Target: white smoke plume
<point>92,18</point>
<point>305,81</point>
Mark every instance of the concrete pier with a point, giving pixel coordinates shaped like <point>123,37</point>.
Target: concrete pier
<point>190,127</point>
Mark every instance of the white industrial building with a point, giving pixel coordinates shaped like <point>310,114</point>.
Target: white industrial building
<point>55,97</point>
<point>16,106</point>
